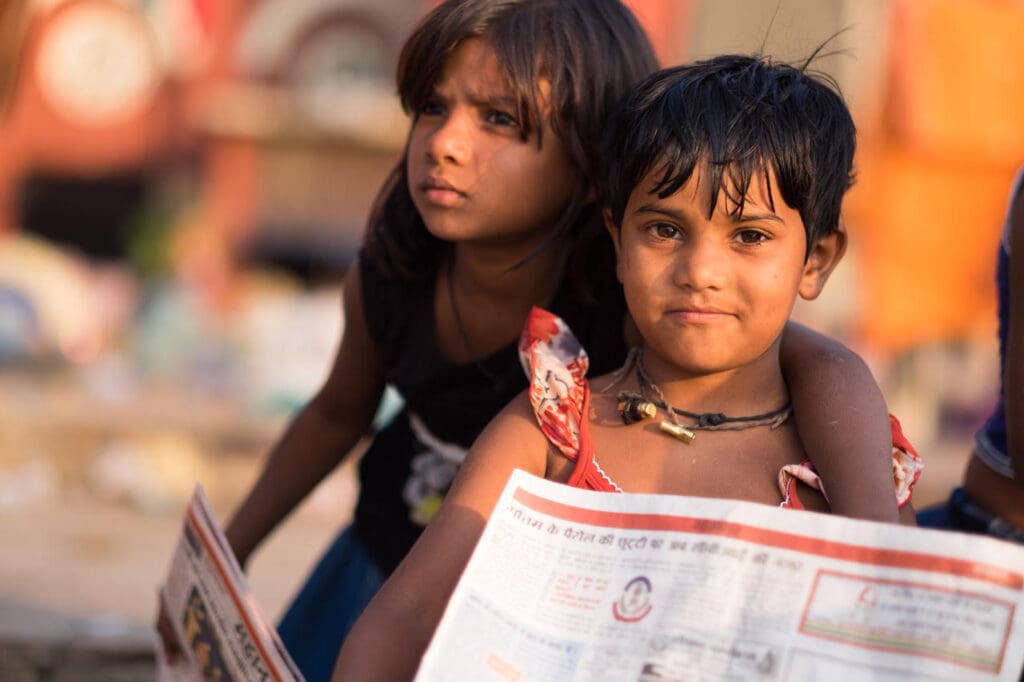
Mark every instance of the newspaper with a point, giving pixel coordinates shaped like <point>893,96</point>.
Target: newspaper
<point>220,625</point>
<point>567,584</point>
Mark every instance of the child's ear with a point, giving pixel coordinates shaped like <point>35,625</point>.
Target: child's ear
<point>614,233</point>
<point>824,257</point>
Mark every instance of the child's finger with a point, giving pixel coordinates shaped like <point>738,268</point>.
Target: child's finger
<point>168,636</point>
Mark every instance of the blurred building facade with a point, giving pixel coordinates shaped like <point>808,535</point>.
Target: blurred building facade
<point>280,113</point>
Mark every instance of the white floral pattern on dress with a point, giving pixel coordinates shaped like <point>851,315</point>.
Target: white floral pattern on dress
<point>433,471</point>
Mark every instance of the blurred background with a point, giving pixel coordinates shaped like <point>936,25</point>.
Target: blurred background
<point>184,182</point>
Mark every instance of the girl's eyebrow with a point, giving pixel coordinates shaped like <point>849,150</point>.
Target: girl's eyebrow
<point>753,217</point>
<point>502,99</point>
<point>475,97</point>
<point>661,210</point>
<point>744,218</point>
<point>480,93</point>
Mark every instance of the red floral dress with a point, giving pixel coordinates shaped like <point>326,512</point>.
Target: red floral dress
<point>557,365</point>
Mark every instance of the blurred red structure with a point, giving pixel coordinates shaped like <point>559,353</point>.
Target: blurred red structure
<point>88,98</point>
<point>296,117</point>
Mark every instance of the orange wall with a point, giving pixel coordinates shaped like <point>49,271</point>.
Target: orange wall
<point>935,171</point>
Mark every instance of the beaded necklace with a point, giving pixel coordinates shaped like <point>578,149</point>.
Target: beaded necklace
<point>634,407</point>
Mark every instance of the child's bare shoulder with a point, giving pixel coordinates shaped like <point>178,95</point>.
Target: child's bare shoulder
<point>516,420</point>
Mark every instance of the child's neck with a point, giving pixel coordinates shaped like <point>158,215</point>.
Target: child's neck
<point>516,278</point>
<point>755,388</point>
<point>483,298</point>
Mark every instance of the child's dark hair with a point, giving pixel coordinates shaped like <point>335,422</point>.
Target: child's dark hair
<point>739,115</point>
<point>589,51</point>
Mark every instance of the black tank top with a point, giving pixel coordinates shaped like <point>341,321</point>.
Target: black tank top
<point>454,402</point>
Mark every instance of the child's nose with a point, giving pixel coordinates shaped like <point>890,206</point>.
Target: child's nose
<point>450,142</point>
<point>703,264</point>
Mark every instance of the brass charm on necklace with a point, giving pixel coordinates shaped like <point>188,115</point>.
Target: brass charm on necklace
<point>633,408</point>
<point>677,431</point>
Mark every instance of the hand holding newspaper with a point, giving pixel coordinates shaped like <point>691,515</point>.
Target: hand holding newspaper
<point>218,622</point>
<point>567,584</point>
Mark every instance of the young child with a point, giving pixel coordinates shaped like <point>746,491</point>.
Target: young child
<point>724,187</point>
<point>490,212</point>
<point>991,500</point>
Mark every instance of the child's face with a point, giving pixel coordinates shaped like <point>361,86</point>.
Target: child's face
<point>712,295</point>
<point>471,175</point>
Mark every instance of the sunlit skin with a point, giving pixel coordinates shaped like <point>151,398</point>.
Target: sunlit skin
<point>711,295</point>
<point>467,158</point>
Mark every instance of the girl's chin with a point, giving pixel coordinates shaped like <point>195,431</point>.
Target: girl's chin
<point>694,362</point>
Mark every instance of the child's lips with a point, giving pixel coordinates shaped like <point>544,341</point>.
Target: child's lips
<point>700,315</point>
<point>442,193</point>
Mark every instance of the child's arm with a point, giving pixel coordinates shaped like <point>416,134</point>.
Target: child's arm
<point>389,639</point>
<point>321,435</point>
<point>1013,380</point>
<point>843,423</point>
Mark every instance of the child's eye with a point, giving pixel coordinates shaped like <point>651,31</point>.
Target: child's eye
<point>751,237</point>
<point>502,118</point>
<point>664,231</point>
<point>431,107</point>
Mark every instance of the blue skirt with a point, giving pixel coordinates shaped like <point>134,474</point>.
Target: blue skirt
<point>327,606</point>
<point>963,514</point>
